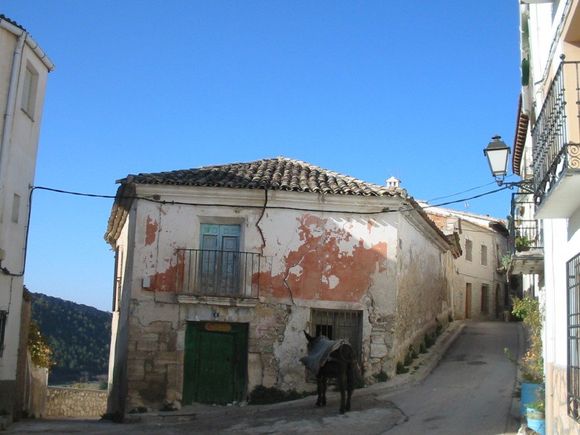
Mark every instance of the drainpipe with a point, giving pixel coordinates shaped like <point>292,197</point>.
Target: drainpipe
<point>10,102</point>
<point>12,87</point>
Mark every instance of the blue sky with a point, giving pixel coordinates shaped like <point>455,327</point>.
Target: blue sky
<point>371,89</point>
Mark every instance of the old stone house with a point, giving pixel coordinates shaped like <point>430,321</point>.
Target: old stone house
<point>481,290</point>
<point>219,270</point>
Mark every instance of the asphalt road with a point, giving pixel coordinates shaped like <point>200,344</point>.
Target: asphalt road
<point>469,392</point>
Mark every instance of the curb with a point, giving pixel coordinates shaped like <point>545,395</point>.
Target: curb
<point>426,363</point>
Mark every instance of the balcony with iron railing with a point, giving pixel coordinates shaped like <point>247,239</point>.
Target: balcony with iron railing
<point>219,274</point>
<point>556,145</point>
<point>525,241</point>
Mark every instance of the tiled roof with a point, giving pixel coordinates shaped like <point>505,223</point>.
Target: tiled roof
<point>519,138</point>
<point>278,173</point>
<point>14,23</point>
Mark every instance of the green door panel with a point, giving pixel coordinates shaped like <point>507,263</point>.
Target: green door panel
<point>215,364</point>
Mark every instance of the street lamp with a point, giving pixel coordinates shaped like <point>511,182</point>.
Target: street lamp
<point>497,153</point>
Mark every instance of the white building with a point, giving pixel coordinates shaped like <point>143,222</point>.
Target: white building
<point>480,289</point>
<point>23,73</point>
<point>547,156</point>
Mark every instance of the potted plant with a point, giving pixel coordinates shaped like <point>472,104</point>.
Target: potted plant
<point>532,363</point>
<point>535,414</point>
<point>522,243</point>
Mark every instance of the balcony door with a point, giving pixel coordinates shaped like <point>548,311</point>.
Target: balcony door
<point>220,259</point>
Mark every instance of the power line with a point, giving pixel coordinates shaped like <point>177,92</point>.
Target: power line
<point>463,191</point>
<point>163,202</point>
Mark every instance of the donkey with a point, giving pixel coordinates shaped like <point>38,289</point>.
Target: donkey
<point>331,359</point>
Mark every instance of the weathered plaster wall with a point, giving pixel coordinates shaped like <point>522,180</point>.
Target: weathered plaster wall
<point>422,289</point>
<point>311,259</point>
<point>557,420</point>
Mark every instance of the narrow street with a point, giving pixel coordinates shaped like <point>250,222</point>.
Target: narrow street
<point>469,392</point>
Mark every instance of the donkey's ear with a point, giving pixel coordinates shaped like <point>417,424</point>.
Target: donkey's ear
<point>308,336</point>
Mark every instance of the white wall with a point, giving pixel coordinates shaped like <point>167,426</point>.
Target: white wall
<point>17,167</point>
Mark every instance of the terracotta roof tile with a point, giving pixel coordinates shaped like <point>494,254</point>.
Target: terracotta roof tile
<point>278,173</point>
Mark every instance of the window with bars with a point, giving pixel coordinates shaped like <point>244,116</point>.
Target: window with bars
<point>3,320</point>
<point>573,284</point>
<point>336,324</point>
<point>483,255</point>
<point>468,250</point>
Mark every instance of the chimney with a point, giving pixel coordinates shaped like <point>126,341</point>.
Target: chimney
<point>393,183</point>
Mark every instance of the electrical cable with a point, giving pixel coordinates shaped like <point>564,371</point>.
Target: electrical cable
<point>164,202</point>
<point>463,191</point>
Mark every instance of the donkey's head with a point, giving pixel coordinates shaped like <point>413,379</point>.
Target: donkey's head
<point>311,340</point>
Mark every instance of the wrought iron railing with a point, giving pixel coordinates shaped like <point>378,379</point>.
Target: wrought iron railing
<point>525,232</point>
<point>210,272</point>
<point>552,149</point>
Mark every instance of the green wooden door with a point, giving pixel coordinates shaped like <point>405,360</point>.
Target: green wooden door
<point>215,362</point>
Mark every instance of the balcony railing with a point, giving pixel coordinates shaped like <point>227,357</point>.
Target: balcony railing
<point>555,137</point>
<point>220,273</point>
<point>525,232</point>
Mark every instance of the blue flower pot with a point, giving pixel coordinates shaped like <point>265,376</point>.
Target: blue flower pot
<point>537,424</point>
<point>529,395</point>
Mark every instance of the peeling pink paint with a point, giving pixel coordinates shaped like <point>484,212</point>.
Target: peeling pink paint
<point>151,228</point>
<point>171,279</point>
<point>319,258</point>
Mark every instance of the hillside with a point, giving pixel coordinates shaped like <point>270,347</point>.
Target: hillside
<point>79,336</point>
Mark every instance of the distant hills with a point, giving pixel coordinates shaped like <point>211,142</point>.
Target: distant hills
<point>79,336</point>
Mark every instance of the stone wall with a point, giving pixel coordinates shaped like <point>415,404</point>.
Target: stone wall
<point>557,420</point>
<point>73,402</point>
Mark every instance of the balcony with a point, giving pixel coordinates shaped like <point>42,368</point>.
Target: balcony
<point>212,276</point>
<point>556,146</point>
<point>525,236</point>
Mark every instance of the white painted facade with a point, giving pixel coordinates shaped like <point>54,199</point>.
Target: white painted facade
<point>23,73</point>
<point>550,30</point>
<point>326,252</point>
<point>480,285</point>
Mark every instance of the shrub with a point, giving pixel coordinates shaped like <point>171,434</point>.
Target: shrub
<point>263,395</point>
<point>532,363</point>
<point>401,368</point>
<point>40,351</point>
<point>381,376</point>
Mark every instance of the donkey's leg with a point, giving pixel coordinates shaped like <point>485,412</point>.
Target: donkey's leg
<point>341,380</point>
<point>349,384</point>
<point>319,390</point>
<point>324,383</point>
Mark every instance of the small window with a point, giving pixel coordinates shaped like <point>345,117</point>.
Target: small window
<point>485,299</point>
<point>3,320</point>
<point>29,91</point>
<point>468,250</point>
<point>483,255</point>
<point>338,324</point>
<point>15,208</point>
